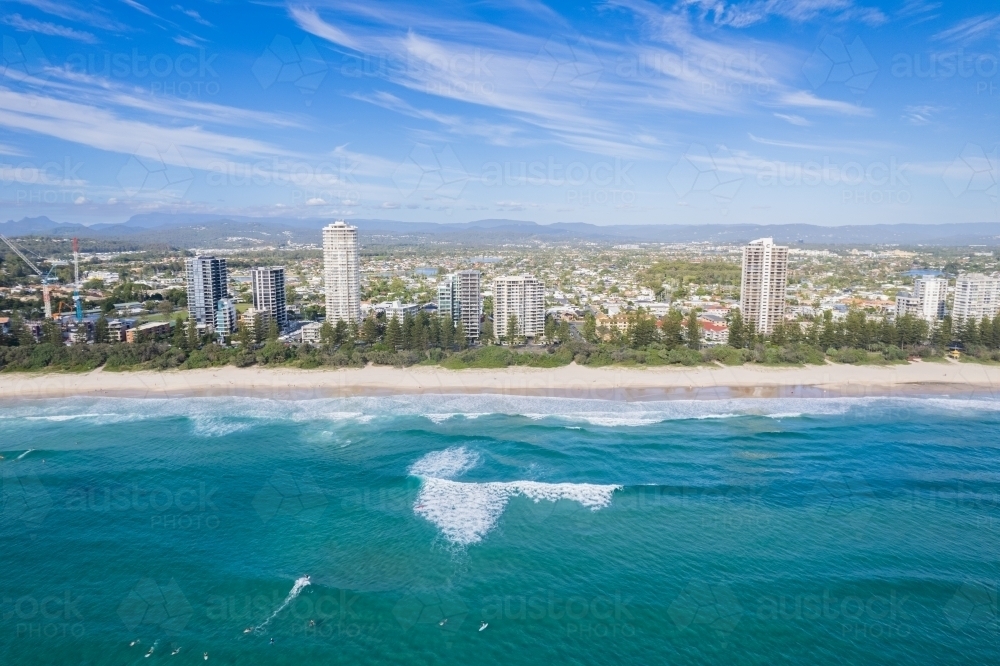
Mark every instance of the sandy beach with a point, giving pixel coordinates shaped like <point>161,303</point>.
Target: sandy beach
<point>572,381</point>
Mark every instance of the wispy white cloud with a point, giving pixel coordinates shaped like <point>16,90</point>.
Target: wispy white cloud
<point>971,30</point>
<point>915,12</point>
<point>71,12</point>
<point>140,8</point>
<point>495,133</point>
<point>793,119</point>
<point>804,99</point>
<point>309,20</point>
<point>812,147</point>
<point>566,86</point>
<point>190,42</point>
<point>921,114</point>
<point>748,13</point>
<point>192,13</point>
<point>6,149</point>
<point>18,22</point>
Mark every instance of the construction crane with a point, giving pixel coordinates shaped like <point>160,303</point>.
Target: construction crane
<point>44,276</point>
<point>77,301</point>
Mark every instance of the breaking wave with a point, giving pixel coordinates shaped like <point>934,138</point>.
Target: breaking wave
<point>465,512</point>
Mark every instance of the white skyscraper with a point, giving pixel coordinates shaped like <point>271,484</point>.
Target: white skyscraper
<point>206,284</point>
<point>762,287</point>
<point>470,301</point>
<point>341,272</point>
<point>522,296</point>
<point>976,296</point>
<point>269,293</point>
<point>927,301</point>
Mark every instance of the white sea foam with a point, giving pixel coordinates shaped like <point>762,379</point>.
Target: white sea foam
<point>220,416</point>
<point>439,418</point>
<point>446,464</point>
<point>24,454</point>
<point>608,421</point>
<point>466,512</point>
<point>210,426</point>
<point>300,584</point>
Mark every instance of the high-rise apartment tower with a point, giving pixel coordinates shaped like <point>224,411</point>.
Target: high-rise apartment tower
<point>762,287</point>
<point>522,296</point>
<point>206,285</point>
<point>341,272</point>
<point>269,293</point>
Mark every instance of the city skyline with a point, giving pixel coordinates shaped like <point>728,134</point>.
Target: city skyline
<point>631,112</point>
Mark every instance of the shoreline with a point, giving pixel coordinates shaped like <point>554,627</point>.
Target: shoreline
<point>617,383</point>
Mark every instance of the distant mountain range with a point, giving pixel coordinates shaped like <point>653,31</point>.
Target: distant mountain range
<point>203,230</point>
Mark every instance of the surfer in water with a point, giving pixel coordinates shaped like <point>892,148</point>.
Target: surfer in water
<point>483,625</point>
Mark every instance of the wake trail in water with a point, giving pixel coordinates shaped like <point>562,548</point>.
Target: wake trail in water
<point>300,584</point>
<point>24,454</point>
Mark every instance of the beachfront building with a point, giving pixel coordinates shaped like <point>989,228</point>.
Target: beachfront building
<point>447,297</point>
<point>762,286</point>
<point>225,316</point>
<point>147,331</point>
<point>396,309</point>
<point>926,301</point>
<point>206,285</point>
<point>268,284</point>
<point>713,332</point>
<point>470,301</point>
<point>976,296</point>
<point>311,332</point>
<point>341,272</point>
<point>522,296</point>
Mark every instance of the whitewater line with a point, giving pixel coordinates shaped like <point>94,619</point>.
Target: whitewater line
<point>24,454</point>
<point>297,588</point>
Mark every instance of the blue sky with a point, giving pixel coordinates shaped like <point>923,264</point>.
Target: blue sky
<point>765,111</point>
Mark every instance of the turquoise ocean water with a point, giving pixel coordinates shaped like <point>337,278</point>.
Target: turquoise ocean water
<point>390,529</point>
